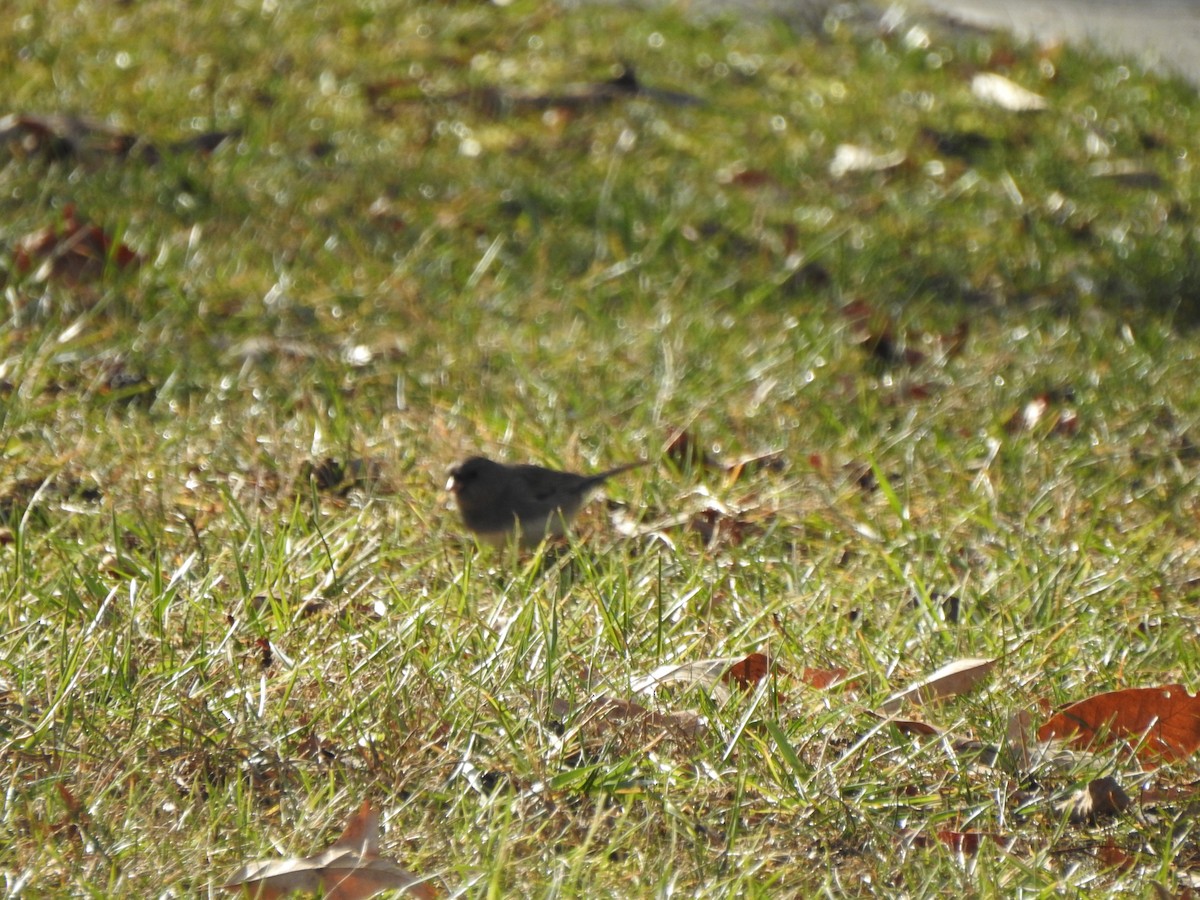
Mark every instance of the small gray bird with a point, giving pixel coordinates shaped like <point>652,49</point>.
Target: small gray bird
<point>494,499</point>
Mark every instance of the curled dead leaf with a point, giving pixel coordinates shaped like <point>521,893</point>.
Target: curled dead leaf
<point>351,869</point>
<point>950,680</point>
<point>1100,798</point>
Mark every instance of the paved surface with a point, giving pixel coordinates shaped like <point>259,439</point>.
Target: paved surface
<point>1163,34</point>
<point>1159,33</point>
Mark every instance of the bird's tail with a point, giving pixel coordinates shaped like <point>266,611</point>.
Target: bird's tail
<point>601,477</point>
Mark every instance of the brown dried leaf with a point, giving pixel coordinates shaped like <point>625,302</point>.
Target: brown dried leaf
<point>1113,857</point>
<point>824,678</point>
<point>75,253</point>
<point>908,726</point>
<point>888,345</point>
<point>739,176</point>
<point>748,672</point>
<point>950,680</point>
<point>1102,798</point>
<point>714,674</point>
<point>967,842</point>
<point>1163,721</point>
<point>350,869</point>
<point>715,524</point>
<point>338,478</point>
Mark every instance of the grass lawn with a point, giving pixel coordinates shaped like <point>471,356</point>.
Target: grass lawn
<point>270,268</point>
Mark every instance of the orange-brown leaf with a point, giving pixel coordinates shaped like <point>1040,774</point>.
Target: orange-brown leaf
<point>76,252</point>
<point>748,672</point>
<point>1167,717</point>
<point>823,678</point>
<point>350,869</point>
<point>362,832</point>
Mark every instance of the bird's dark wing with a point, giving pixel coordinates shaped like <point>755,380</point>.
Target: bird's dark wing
<point>546,486</point>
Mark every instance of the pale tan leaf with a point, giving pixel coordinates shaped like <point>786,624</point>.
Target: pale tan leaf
<point>337,874</point>
<point>350,869</point>
<point>950,680</point>
<point>1000,91</point>
<point>849,158</point>
<point>275,878</point>
<point>706,673</point>
<point>616,713</point>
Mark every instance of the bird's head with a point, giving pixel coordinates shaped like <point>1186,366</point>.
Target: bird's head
<point>468,473</point>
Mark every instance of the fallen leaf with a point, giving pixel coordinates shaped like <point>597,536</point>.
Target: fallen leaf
<point>823,678</point>
<point>715,524</point>
<point>1164,722</point>
<point>1167,795</point>
<point>75,253</point>
<point>57,137</point>
<point>1000,91</point>
<point>950,680</point>
<point>907,726</point>
<point>1113,857</point>
<point>967,842</point>
<point>748,672</point>
<point>739,176</point>
<point>1128,173</point>
<point>348,870</point>
<point>1064,420</point>
<point>714,674</point>
<point>1101,798</point>
<point>331,476</point>
<point>614,712</point>
<point>878,334</point>
<point>849,158</point>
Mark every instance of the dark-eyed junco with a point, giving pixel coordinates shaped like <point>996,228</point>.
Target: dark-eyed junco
<point>494,499</point>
